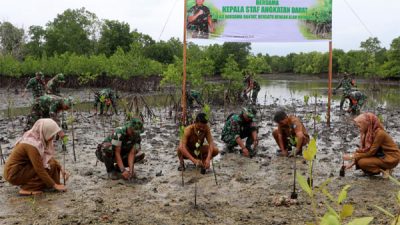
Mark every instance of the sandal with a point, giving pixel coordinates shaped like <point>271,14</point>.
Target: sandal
<point>23,192</point>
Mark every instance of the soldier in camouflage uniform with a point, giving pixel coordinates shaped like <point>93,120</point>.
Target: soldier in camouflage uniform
<point>357,100</point>
<point>346,83</point>
<point>252,84</point>
<point>105,97</point>
<point>48,106</point>
<point>53,86</point>
<point>199,20</point>
<point>192,96</point>
<point>123,149</point>
<point>37,85</point>
<point>238,126</point>
<point>289,133</point>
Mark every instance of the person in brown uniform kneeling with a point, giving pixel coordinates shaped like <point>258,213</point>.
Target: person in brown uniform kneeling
<point>290,133</point>
<point>192,140</point>
<point>378,152</point>
<point>31,164</point>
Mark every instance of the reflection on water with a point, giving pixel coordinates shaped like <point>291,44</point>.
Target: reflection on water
<point>280,91</point>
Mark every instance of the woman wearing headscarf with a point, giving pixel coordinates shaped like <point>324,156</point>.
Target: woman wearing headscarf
<point>378,152</point>
<point>31,164</point>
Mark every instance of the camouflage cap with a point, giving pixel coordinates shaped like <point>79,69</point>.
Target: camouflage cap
<point>39,73</point>
<point>60,77</point>
<point>136,124</point>
<point>250,112</point>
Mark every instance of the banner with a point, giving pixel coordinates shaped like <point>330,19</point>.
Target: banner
<point>259,20</point>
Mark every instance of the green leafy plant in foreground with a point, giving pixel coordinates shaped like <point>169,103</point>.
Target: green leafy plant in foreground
<point>332,216</point>
<point>395,219</point>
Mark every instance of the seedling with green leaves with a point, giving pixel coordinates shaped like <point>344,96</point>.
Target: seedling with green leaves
<point>395,218</point>
<point>331,216</point>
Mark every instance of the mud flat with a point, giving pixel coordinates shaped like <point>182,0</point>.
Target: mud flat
<point>248,190</point>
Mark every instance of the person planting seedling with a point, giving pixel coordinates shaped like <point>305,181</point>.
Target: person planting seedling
<point>378,152</point>
<point>193,139</point>
<point>238,126</point>
<point>105,98</point>
<point>289,127</point>
<point>121,150</point>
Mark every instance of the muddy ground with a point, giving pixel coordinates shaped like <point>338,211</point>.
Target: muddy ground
<point>248,190</point>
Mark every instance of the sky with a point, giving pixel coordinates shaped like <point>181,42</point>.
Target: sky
<point>353,20</point>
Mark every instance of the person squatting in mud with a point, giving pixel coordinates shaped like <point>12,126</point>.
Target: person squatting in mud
<point>346,83</point>
<point>121,150</point>
<point>192,96</point>
<point>357,101</point>
<point>238,126</point>
<point>378,152</point>
<point>48,106</point>
<point>105,97</point>
<point>31,164</point>
<point>289,133</point>
<point>37,85</point>
<point>193,140</point>
<point>54,84</point>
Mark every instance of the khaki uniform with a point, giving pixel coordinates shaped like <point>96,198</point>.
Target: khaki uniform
<point>24,167</point>
<point>383,154</point>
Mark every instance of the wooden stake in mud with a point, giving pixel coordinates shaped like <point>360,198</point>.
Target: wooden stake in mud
<point>215,174</point>
<point>2,161</point>
<point>294,193</point>
<point>328,116</point>
<point>183,103</point>
<point>183,181</point>
<point>64,148</point>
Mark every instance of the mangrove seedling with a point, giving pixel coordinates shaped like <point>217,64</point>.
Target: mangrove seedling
<point>331,216</point>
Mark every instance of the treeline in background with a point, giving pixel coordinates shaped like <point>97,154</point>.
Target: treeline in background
<point>77,43</point>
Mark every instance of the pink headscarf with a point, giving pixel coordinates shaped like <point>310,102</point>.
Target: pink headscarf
<point>374,125</point>
<point>37,136</point>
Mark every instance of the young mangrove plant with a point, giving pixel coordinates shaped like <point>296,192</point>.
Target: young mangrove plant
<point>336,215</point>
<point>394,218</point>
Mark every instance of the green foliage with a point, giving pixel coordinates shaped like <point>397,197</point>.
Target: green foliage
<point>114,34</point>
<point>306,99</point>
<point>9,66</point>
<point>332,215</point>
<point>394,218</point>
<point>11,40</point>
<point>207,111</point>
<point>71,31</point>
<point>303,184</point>
<point>311,151</point>
<point>181,131</point>
<point>258,65</point>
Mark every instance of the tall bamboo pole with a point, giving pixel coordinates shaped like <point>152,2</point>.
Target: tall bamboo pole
<point>184,67</point>
<point>328,116</point>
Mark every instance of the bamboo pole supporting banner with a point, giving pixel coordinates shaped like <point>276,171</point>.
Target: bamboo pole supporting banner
<point>328,113</point>
<point>184,67</point>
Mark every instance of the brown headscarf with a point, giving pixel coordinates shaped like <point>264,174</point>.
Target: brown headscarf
<point>37,136</point>
<point>373,125</point>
